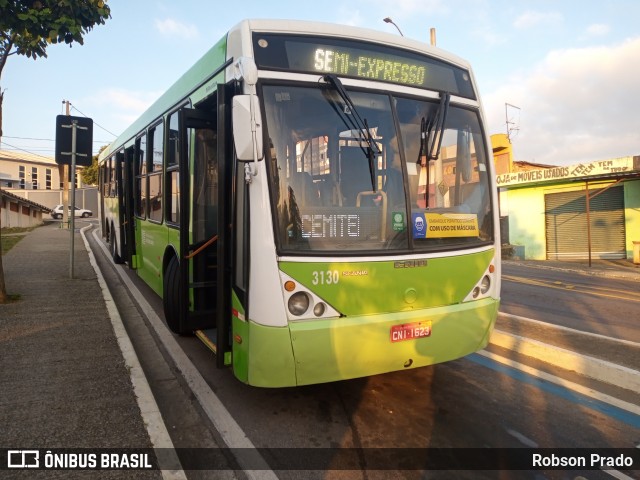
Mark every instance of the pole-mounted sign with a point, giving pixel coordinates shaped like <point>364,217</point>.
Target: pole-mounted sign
<point>74,146</point>
<point>64,140</point>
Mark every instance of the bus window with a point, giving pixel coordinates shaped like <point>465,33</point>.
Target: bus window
<point>322,175</point>
<point>205,195</point>
<point>455,184</point>
<point>155,173</point>
<point>113,168</point>
<point>173,170</point>
<point>140,169</point>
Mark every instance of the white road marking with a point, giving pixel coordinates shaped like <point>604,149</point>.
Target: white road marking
<point>567,329</point>
<point>592,367</point>
<point>157,430</point>
<point>227,427</point>
<point>522,439</point>
<point>589,392</point>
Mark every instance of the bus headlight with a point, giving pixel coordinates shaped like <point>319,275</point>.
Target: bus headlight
<point>298,303</point>
<point>319,309</point>
<point>485,284</point>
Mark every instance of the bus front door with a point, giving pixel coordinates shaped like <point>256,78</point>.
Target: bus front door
<point>203,191</point>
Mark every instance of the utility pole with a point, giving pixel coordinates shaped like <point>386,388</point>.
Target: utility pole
<point>65,183</point>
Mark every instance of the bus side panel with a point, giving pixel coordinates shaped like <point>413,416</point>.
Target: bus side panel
<point>240,340</point>
<point>271,361</point>
<point>151,244</point>
<point>337,349</point>
<point>173,239</point>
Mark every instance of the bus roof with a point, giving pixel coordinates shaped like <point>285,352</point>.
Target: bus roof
<point>237,42</point>
<point>304,27</point>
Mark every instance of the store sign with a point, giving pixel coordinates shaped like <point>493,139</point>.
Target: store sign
<point>580,170</point>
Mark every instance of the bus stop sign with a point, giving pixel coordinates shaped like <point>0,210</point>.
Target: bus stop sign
<point>84,140</point>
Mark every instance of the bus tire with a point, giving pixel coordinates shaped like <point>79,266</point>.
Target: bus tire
<point>113,245</point>
<point>171,296</point>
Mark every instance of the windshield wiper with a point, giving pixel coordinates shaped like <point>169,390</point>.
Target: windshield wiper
<point>360,124</point>
<point>431,133</point>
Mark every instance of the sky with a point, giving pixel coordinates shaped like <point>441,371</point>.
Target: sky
<point>561,77</point>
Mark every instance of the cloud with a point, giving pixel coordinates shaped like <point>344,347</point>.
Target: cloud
<point>489,37</point>
<point>414,6</point>
<point>171,27</point>
<point>401,9</point>
<point>530,19</point>
<point>348,15</point>
<point>576,105</point>
<point>598,30</point>
<point>121,107</point>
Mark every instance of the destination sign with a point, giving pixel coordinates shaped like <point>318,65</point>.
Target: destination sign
<point>376,68</point>
<point>350,224</point>
<point>357,59</point>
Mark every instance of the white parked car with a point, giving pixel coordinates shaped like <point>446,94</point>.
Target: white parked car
<point>79,212</point>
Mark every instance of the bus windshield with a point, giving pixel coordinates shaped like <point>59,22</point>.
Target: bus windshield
<point>321,178</point>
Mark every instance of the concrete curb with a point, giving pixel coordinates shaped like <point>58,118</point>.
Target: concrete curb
<point>630,272</point>
<point>231,433</point>
<point>591,367</point>
<point>169,462</point>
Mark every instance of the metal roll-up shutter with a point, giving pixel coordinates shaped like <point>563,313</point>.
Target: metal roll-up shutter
<point>566,224</point>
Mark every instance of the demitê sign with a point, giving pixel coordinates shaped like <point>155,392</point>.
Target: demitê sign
<point>580,171</point>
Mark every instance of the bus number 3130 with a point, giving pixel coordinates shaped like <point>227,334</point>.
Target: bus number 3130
<point>328,277</point>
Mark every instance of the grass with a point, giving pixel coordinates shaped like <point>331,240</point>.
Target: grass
<point>12,299</point>
<point>9,237</point>
<point>17,229</point>
<point>8,242</point>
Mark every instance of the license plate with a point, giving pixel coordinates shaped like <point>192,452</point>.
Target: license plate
<point>410,331</point>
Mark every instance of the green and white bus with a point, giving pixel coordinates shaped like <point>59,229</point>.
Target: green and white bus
<point>316,202</point>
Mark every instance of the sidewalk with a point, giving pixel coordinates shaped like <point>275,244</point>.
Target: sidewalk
<point>623,269</point>
<point>63,376</point>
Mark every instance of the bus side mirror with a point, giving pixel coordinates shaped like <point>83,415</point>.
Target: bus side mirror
<point>247,127</point>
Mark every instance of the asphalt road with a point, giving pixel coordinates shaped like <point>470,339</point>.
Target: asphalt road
<point>590,303</point>
<point>473,402</point>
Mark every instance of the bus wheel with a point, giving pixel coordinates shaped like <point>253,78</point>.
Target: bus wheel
<point>113,244</point>
<point>171,296</point>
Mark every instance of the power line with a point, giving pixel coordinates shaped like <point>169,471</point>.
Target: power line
<point>95,123</point>
<point>26,151</point>
<point>49,139</point>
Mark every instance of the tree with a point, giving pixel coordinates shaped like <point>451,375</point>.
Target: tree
<point>90,174</point>
<point>28,27</point>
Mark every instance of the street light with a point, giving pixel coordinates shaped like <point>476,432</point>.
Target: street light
<point>388,20</point>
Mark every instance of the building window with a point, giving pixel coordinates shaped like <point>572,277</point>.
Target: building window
<point>34,178</point>
<point>22,176</point>
<point>48,179</point>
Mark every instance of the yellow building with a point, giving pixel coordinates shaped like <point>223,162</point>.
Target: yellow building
<point>585,210</point>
